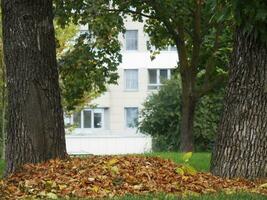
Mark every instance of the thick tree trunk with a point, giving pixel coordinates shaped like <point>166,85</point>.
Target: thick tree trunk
<point>35,128</point>
<point>188,112</point>
<point>241,144</point>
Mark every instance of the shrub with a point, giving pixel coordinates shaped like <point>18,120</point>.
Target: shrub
<point>161,118</point>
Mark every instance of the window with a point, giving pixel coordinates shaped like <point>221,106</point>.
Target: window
<point>173,48</point>
<point>89,118</point>
<point>131,38</point>
<point>67,120</point>
<point>170,48</point>
<point>97,120</point>
<point>131,117</point>
<point>156,77</point>
<point>131,79</point>
<point>77,119</point>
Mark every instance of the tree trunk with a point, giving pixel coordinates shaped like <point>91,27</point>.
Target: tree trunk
<point>3,114</point>
<point>188,112</point>
<point>35,128</point>
<point>3,96</point>
<point>241,144</point>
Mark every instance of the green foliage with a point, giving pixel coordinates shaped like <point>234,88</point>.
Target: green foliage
<point>161,118</point>
<point>84,73</point>
<point>187,156</point>
<point>64,36</point>
<point>105,21</point>
<point>87,68</point>
<point>249,15</point>
<point>186,168</point>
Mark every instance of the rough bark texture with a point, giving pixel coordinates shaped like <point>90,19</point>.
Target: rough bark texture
<point>35,129</point>
<point>241,144</point>
<point>188,112</point>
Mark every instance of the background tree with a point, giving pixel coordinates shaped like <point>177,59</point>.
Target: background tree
<point>64,37</point>
<point>35,129</point>
<point>202,43</point>
<point>161,118</point>
<point>88,67</point>
<point>241,145</point>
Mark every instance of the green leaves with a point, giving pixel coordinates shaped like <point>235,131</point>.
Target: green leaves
<point>91,64</point>
<point>186,157</point>
<point>85,71</point>
<point>161,117</point>
<point>186,168</point>
<point>251,16</point>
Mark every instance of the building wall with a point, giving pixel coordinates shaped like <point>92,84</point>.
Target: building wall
<point>117,98</point>
<point>115,137</point>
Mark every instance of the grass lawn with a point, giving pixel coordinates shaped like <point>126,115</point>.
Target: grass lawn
<point>200,161</point>
<point>1,167</point>
<point>219,196</point>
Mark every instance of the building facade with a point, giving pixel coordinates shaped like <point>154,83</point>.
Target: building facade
<point>110,127</point>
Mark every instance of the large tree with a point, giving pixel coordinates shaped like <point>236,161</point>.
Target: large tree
<point>202,42</point>
<point>35,129</point>
<point>241,145</point>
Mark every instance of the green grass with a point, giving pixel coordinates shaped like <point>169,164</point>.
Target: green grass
<point>1,167</point>
<point>200,161</point>
<point>218,196</point>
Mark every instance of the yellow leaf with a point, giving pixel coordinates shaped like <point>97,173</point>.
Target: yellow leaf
<point>229,191</point>
<point>61,187</point>
<point>113,161</point>
<point>114,170</point>
<point>95,188</point>
<point>184,178</point>
<point>263,185</point>
<point>179,171</point>
<point>137,187</point>
<point>51,195</point>
<point>187,156</point>
<point>190,170</point>
<point>43,193</point>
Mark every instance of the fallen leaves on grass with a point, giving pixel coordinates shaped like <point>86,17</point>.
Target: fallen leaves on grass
<point>106,176</point>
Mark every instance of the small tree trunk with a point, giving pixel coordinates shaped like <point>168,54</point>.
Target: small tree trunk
<point>3,117</point>
<point>3,96</point>
<point>35,128</point>
<point>241,144</point>
<point>188,111</point>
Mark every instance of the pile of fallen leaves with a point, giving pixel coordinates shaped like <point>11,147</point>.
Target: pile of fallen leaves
<point>106,176</point>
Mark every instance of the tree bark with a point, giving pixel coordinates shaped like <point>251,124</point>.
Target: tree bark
<point>3,96</point>
<point>241,144</point>
<point>35,128</point>
<point>188,112</point>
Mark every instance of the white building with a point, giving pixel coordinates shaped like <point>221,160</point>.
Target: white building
<point>110,127</point>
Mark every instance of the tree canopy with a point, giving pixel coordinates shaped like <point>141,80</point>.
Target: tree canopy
<point>202,39</point>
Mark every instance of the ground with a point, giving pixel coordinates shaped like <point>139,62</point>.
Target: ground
<point>100,176</point>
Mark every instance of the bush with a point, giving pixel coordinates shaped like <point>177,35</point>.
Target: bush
<point>161,118</point>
